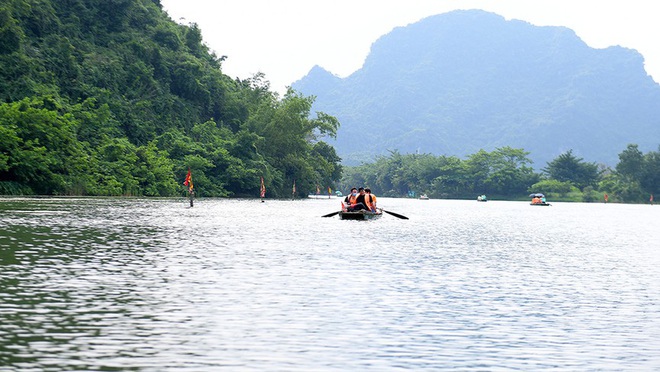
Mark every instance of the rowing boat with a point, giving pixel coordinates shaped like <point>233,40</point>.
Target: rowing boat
<point>360,215</point>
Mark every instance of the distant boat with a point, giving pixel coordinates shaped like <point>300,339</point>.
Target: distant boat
<point>319,196</point>
<point>538,199</point>
<point>423,197</point>
<point>482,198</point>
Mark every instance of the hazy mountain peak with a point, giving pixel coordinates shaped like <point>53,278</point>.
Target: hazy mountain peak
<point>461,81</point>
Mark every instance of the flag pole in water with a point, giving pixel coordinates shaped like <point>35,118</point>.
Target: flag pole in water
<point>188,182</point>
<point>263,189</point>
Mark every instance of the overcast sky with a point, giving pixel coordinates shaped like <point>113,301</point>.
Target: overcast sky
<point>284,39</point>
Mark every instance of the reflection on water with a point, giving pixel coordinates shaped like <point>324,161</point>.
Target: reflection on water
<point>134,284</point>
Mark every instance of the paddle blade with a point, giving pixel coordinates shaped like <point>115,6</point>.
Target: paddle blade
<point>397,215</point>
<point>331,214</point>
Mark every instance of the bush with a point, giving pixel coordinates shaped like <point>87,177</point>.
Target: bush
<point>551,186</point>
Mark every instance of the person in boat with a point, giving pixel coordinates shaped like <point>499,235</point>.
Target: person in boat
<point>536,200</point>
<point>350,198</point>
<point>359,202</point>
<point>370,199</point>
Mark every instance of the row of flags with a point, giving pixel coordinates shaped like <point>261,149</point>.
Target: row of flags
<point>318,190</point>
<point>262,190</point>
<point>293,189</point>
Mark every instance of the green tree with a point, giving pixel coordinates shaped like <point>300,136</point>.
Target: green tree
<point>39,148</point>
<point>510,173</point>
<point>154,171</point>
<point>116,161</point>
<point>114,98</point>
<point>478,169</point>
<point>453,179</point>
<point>292,136</point>
<point>10,33</point>
<point>569,168</point>
<point>636,175</point>
<point>631,163</point>
<point>650,175</point>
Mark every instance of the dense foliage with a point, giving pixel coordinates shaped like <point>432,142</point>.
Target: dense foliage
<point>506,173</point>
<point>111,97</point>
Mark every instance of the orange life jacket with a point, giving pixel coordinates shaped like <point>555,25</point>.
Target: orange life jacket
<point>352,200</point>
<point>367,201</point>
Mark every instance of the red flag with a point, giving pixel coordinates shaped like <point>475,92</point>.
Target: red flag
<point>263,188</point>
<point>606,197</point>
<point>651,198</point>
<point>188,182</point>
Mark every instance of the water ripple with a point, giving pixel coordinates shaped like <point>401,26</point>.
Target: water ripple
<point>150,285</point>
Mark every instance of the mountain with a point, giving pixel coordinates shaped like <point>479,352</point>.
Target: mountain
<point>454,83</point>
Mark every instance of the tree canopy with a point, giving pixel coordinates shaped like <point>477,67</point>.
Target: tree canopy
<point>569,168</point>
<point>111,97</point>
<point>506,173</point>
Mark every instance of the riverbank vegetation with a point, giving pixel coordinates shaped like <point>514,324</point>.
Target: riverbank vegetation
<point>506,173</point>
<point>115,98</point>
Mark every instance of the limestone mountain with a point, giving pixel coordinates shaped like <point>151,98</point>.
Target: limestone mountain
<point>466,80</point>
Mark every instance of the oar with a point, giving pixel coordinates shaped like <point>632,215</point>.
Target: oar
<point>397,215</point>
<point>331,214</point>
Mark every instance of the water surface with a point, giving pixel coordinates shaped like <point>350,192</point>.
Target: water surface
<point>152,285</point>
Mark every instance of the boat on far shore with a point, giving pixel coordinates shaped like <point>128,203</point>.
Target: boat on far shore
<point>320,196</point>
<point>423,197</point>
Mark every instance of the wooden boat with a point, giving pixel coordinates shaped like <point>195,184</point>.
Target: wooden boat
<point>362,215</point>
<point>538,199</point>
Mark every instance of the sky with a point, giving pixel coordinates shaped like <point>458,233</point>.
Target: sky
<point>284,39</point>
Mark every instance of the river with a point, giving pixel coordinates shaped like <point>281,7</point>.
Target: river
<point>153,285</point>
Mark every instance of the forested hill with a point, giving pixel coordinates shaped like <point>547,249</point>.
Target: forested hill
<point>458,82</point>
<point>112,97</point>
